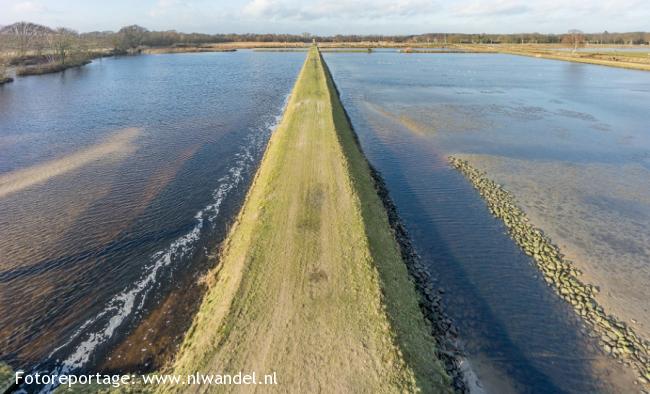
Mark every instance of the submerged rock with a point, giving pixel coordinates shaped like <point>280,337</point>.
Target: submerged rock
<point>619,340</point>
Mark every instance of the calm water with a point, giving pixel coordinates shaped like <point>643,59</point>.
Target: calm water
<point>572,143</point>
<point>117,182</point>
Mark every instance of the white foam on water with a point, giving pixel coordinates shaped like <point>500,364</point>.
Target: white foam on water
<point>123,305</point>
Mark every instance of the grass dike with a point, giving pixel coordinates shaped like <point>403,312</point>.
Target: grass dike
<point>311,283</point>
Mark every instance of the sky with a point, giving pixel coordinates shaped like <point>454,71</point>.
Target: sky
<point>325,17</point>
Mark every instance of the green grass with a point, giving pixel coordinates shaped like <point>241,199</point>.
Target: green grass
<point>311,284</point>
<point>399,296</point>
<point>7,377</point>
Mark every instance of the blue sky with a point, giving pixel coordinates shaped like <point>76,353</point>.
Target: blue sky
<point>336,16</point>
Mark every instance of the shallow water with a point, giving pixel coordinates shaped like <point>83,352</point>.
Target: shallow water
<point>117,183</point>
<point>571,142</point>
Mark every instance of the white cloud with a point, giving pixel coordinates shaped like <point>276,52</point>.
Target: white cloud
<point>29,7</point>
<point>335,16</point>
<point>337,9</point>
<point>492,8</point>
<point>259,7</point>
<point>164,7</point>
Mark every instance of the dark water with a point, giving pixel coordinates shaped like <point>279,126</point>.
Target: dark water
<point>117,182</point>
<point>411,111</point>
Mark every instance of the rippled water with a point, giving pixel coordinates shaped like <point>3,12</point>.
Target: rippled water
<point>117,182</point>
<point>571,142</point>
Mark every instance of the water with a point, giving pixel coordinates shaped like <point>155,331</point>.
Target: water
<point>117,183</point>
<point>571,142</point>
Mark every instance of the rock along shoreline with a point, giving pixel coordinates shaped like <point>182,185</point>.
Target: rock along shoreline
<point>616,338</point>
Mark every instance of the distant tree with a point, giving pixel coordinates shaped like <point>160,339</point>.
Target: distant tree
<point>131,37</point>
<point>4,60</point>
<point>574,38</point>
<point>24,35</point>
<point>62,42</point>
<point>639,39</point>
<point>3,67</point>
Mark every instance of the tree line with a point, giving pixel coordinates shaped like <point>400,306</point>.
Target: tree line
<point>24,39</point>
<point>24,36</point>
<point>27,42</point>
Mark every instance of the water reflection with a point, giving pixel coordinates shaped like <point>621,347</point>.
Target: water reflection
<point>499,112</point>
<point>117,182</point>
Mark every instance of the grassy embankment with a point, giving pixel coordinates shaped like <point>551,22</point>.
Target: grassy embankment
<point>311,284</point>
<point>50,68</point>
<point>33,63</point>
<point>629,60</point>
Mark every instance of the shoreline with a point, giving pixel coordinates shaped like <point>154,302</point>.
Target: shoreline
<point>325,288</point>
<point>583,60</point>
<point>49,68</point>
<point>442,328</point>
<point>552,53</point>
<point>617,338</point>
<point>616,59</point>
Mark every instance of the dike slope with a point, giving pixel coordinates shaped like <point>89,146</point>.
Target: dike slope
<point>311,284</point>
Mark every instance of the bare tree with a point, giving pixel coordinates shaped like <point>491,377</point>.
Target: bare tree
<point>62,42</point>
<point>25,34</point>
<point>3,66</point>
<point>575,38</point>
<point>3,70</point>
<point>3,61</point>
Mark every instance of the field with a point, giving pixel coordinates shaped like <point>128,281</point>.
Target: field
<point>311,284</point>
<point>623,59</point>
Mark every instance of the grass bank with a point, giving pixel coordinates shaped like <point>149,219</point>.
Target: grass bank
<point>618,59</point>
<point>588,58</point>
<point>311,284</point>
<point>49,68</point>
